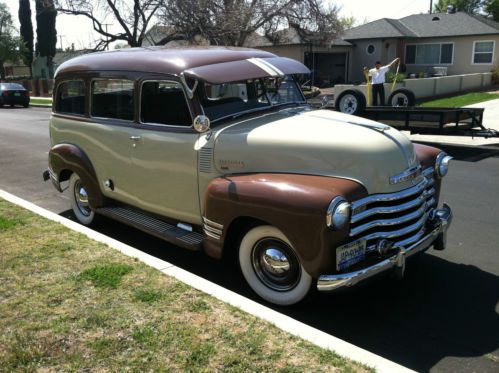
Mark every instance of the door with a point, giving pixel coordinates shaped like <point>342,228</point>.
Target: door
<point>164,159</point>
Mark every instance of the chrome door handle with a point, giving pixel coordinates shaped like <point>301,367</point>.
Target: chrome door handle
<point>135,138</point>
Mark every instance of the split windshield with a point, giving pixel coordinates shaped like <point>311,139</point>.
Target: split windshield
<point>230,99</point>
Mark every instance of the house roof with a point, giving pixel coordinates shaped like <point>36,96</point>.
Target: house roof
<point>425,26</point>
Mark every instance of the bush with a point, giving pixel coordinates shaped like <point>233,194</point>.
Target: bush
<point>495,75</point>
<point>390,75</point>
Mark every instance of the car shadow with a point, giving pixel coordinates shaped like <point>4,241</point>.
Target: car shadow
<point>466,153</point>
<point>440,309</point>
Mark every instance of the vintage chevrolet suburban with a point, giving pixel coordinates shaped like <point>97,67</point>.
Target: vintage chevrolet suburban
<point>216,149</point>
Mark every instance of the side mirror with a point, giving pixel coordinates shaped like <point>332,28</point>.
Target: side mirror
<point>201,123</point>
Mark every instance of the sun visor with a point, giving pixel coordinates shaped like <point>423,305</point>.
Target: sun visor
<point>251,68</point>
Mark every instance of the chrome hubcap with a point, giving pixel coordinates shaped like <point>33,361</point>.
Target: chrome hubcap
<point>81,198</point>
<point>275,264</point>
<point>348,104</point>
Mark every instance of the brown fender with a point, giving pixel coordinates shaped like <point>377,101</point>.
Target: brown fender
<point>427,156</point>
<point>295,204</point>
<point>67,158</point>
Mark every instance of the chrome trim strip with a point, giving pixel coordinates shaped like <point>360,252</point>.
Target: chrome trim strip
<point>216,237</point>
<point>388,209</point>
<point>400,232</point>
<point>428,171</point>
<point>218,232</point>
<point>409,174</point>
<point>389,222</point>
<point>388,197</point>
<point>212,223</point>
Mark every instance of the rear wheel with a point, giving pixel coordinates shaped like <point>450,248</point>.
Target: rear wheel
<point>350,102</point>
<point>271,267</point>
<point>79,200</point>
<point>401,98</point>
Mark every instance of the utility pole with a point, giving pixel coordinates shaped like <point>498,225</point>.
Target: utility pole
<point>106,24</point>
<point>60,39</point>
<point>431,6</point>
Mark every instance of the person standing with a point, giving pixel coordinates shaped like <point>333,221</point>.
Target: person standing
<point>377,75</point>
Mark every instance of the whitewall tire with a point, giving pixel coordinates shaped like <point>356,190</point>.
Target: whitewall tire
<point>79,200</point>
<point>271,267</point>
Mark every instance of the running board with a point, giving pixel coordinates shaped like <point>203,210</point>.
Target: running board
<point>158,228</point>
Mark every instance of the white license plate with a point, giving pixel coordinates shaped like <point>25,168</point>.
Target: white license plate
<point>17,94</point>
<point>350,254</point>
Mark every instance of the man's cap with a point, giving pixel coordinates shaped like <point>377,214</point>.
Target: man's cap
<point>377,63</point>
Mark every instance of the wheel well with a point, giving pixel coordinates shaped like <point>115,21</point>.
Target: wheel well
<point>65,175</point>
<point>235,232</point>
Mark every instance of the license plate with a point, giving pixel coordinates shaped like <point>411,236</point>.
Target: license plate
<point>17,94</point>
<point>350,254</point>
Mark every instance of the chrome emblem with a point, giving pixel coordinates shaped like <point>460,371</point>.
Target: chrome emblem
<point>407,175</point>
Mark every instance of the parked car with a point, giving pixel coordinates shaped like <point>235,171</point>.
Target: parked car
<point>13,94</point>
<point>216,149</point>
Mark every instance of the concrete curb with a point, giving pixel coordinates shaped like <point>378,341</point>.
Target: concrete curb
<point>283,322</point>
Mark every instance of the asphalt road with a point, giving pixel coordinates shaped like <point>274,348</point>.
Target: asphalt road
<point>443,317</point>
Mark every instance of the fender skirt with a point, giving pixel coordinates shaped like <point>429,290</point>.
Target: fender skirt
<point>68,157</point>
<point>295,204</point>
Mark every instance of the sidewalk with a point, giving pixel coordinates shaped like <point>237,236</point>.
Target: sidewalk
<point>39,104</point>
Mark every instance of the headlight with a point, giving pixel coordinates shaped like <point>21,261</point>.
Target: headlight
<point>442,164</point>
<point>338,213</point>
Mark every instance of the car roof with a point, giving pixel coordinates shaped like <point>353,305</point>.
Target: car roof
<point>158,59</point>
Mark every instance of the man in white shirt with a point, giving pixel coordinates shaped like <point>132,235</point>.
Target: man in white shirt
<point>378,79</point>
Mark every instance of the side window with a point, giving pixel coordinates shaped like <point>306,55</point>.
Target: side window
<point>164,103</point>
<point>70,98</point>
<point>113,98</point>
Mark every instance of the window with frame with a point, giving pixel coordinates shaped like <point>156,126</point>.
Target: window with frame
<point>164,102</point>
<point>429,54</point>
<point>70,97</point>
<point>483,52</point>
<point>113,98</point>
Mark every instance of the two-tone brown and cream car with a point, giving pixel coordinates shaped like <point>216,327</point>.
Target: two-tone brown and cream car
<point>216,149</point>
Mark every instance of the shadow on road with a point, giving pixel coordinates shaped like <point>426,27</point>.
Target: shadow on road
<point>465,153</point>
<point>439,310</point>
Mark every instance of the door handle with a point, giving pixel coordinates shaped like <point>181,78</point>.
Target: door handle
<point>135,138</point>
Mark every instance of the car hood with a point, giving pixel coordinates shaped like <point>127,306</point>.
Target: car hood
<point>316,142</point>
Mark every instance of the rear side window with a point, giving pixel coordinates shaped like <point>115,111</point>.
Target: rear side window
<point>70,97</point>
<point>113,98</point>
<point>164,103</point>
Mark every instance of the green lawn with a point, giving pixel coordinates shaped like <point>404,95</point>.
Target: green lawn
<point>41,101</point>
<point>462,100</point>
<point>68,303</point>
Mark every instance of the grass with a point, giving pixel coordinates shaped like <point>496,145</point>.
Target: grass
<point>462,100</point>
<point>71,304</point>
<point>41,101</point>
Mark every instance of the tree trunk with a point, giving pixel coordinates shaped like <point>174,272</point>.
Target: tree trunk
<point>2,71</point>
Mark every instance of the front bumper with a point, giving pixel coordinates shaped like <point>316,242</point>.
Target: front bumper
<point>440,222</point>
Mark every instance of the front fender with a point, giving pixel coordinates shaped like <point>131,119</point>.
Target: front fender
<point>67,158</point>
<point>295,204</point>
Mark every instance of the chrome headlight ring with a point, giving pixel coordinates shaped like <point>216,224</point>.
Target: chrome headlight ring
<point>338,214</point>
<point>442,164</point>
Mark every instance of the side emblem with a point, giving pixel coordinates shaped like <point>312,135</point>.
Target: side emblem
<point>407,175</point>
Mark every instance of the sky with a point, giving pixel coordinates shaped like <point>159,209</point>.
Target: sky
<point>78,30</point>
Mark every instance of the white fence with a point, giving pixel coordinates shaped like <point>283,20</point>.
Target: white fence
<point>430,87</point>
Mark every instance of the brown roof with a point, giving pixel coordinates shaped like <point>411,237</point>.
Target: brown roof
<point>159,59</point>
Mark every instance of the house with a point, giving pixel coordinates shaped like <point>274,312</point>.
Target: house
<point>458,42</point>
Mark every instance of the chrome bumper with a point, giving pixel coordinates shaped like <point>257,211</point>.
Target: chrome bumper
<point>440,222</point>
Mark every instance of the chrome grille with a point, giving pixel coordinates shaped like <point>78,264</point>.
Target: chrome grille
<point>399,217</point>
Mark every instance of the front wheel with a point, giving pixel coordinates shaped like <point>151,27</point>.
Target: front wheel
<point>271,267</point>
<point>79,200</point>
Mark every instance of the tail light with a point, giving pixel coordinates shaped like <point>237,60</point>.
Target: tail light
<point>5,93</point>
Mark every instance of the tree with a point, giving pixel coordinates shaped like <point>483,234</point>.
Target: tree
<point>10,45</point>
<point>132,16</point>
<point>230,22</point>
<point>492,8</point>
<point>46,34</point>
<point>26,32</point>
<point>467,6</point>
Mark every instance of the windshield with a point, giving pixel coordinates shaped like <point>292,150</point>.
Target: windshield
<point>229,99</point>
